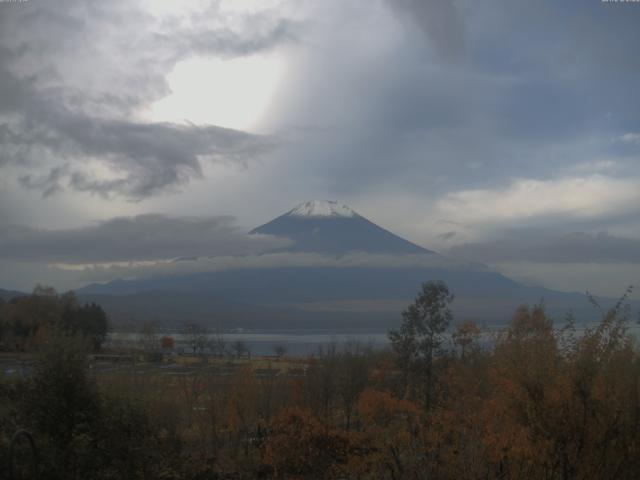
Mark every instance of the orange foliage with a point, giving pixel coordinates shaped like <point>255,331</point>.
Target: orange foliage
<point>389,443</point>
<point>242,400</point>
<point>166,342</point>
<point>300,446</point>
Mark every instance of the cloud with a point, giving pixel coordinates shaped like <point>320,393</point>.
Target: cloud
<point>447,235</point>
<point>532,246</point>
<point>439,20</point>
<point>526,199</point>
<point>136,160</point>
<point>129,239</point>
<point>75,78</point>
<point>100,273</point>
<point>630,137</point>
<point>391,118</point>
<point>607,279</point>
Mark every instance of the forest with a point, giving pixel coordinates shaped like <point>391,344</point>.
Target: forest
<point>446,400</point>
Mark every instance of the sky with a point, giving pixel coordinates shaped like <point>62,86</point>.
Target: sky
<point>136,132</point>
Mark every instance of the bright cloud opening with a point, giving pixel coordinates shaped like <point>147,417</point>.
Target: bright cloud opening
<point>231,93</point>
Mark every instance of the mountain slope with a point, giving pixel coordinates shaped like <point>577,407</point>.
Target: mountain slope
<point>321,297</point>
<point>333,228</point>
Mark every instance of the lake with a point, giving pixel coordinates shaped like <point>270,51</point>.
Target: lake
<point>298,343</point>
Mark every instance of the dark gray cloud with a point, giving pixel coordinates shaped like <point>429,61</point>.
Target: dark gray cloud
<point>72,76</point>
<point>439,20</point>
<point>531,95</point>
<point>532,246</point>
<point>530,85</point>
<point>146,158</point>
<point>447,235</point>
<point>115,55</point>
<point>124,239</point>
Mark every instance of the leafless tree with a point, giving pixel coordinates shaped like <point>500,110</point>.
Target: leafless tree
<point>148,339</point>
<point>280,351</point>
<point>240,348</point>
<point>196,337</point>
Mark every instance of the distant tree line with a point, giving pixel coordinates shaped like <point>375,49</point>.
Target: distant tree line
<point>27,319</point>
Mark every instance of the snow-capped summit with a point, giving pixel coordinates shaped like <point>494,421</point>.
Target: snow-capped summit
<point>324,226</point>
<point>322,208</point>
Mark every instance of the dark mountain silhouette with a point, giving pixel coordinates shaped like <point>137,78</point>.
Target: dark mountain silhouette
<point>9,294</point>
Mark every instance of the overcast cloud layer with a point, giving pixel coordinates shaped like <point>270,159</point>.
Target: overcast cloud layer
<point>506,132</point>
<point>126,239</point>
<point>73,75</point>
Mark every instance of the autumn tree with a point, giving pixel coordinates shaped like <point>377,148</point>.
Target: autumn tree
<point>390,443</point>
<point>39,314</point>
<point>82,433</point>
<point>167,342</point>
<point>322,379</point>
<point>61,402</point>
<point>93,324</point>
<point>242,405</point>
<point>466,337</point>
<point>352,375</point>
<point>3,322</point>
<point>88,320</point>
<point>603,377</point>
<point>419,338</point>
<point>302,447</point>
<point>192,387</point>
<point>28,315</point>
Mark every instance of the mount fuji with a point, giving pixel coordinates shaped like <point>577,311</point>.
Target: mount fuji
<point>324,226</point>
<point>332,291</point>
